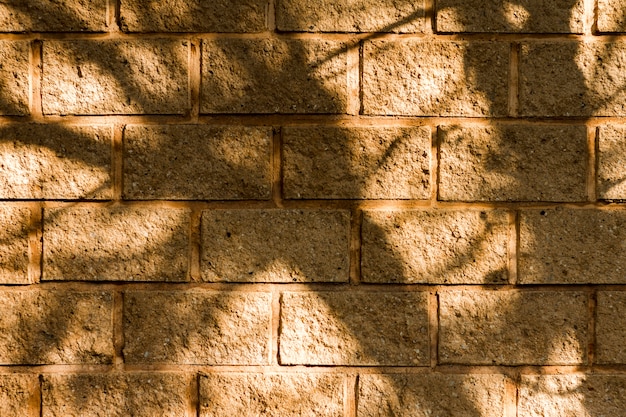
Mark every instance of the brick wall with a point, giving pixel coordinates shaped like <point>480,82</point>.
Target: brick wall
<point>333,208</point>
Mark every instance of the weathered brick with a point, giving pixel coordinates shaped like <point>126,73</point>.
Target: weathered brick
<point>430,395</point>
<point>275,245</point>
<point>116,243</point>
<point>54,161</point>
<point>53,16</point>
<point>611,161</point>
<point>197,162</point>
<point>115,76</point>
<point>350,328</point>
<point>14,225</point>
<point>419,78</point>
<point>530,16</point>
<point>54,327</point>
<point>19,395</point>
<point>513,163</point>
<point>610,327</point>
<point>611,16</point>
<point>273,76</point>
<point>14,56</point>
<point>356,162</point>
<point>193,16</point>
<point>513,328</point>
<point>271,395</point>
<point>212,328</point>
<point>116,395</point>
<point>400,16</point>
<point>569,246</point>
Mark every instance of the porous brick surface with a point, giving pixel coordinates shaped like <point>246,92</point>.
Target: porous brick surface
<point>46,16</point>
<point>611,160</point>
<point>14,77</point>
<point>14,222</point>
<point>18,395</point>
<point>611,16</point>
<point>610,327</point>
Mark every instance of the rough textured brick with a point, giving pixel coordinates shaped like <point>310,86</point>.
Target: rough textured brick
<point>566,246</point>
<point>115,77</point>
<point>435,78</point>
<point>610,327</point>
<point>116,395</point>
<point>53,16</point>
<point>436,247</point>
<point>513,163</point>
<point>14,77</point>
<point>513,328</point>
<point>611,16</point>
<point>275,245</point>
<point>401,16</point>
<point>214,328</point>
<point>536,16</point>
<point>193,16</point>
<point>430,395</point>
<point>197,162</point>
<point>55,161</point>
<point>19,395</point>
<point>271,395</point>
<point>273,76</point>
<point>611,161</point>
<point>340,328</point>
<point>54,327</point>
<point>117,243</point>
<point>14,224</point>
<point>356,162</point>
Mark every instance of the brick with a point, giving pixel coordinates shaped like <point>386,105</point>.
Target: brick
<point>611,161</point>
<point>532,16</point>
<point>271,395</point>
<point>115,77</point>
<point>14,225</point>
<point>399,16</point>
<point>54,161</point>
<point>569,246</point>
<point>418,78</point>
<point>116,244</point>
<point>54,327</point>
<point>513,328</point>
<point>611,16</point>
<point>19,395</point>
<point>610,328</point>
<point>513,163</point>
<point>273,76</point>
<point>208,328</point>
<point>196,162</point>
<point>116,395</point>
<point>356,162</point>
<point>275,245</point>
<point>430,395</point>
<point>193,16</point>
<point>354,329</point>
<point>434,247</point>
<point>52,16</point>
<point>14,78</point>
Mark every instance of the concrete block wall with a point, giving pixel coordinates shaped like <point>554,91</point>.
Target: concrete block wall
<point>339,208</point>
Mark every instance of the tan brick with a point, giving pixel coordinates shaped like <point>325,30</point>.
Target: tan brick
<point>356,162</point>
<point>193,16</point>
<point>19,395</point>
<point>611,161</point>
<point>211,328</point>
<point>117,244</point>
<point>399,16</point>
<point>273,76</point>
<point>14,78</point>
<point>116,395</point>
<point>513,327</point>
<point>115,76</point>
<point>197,162</point>
<point>530,16</point>
<point>513,163</point>
<point>568,246</point>
<point>54,327</point>
<point>14,225</point>
<point>418,78</point>
<point>271,395</point>
<point>610,327</point>
<point>54,161</point>
<point>275,245</point>
<point>349,328</point>
<point>430,395</point>
<point>53,16</point>
<point>611,16</point>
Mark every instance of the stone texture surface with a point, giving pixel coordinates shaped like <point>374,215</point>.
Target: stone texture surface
<point>14,79</point>
<point>435,247</point>
<point>354,328</point>
<point>273,76</point>
<point>116,244</point>
<point>418,78</point>
<point>513,163</point>
<point>356,162</point>
<point>569,246</point>
<point>610,327</point>
<point>271,395</point>
<point>430,395</point>
<point>19,395</point>
<point>210,328</point>
<point>56,327</point>
<point>53,16</point>
<point>611,161</point>
<point>513,327</point>
<point>14,225</point>
<point>115,76</point>
<point>611,16</point>
<point>197,162</point>
<point>275,245</point>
